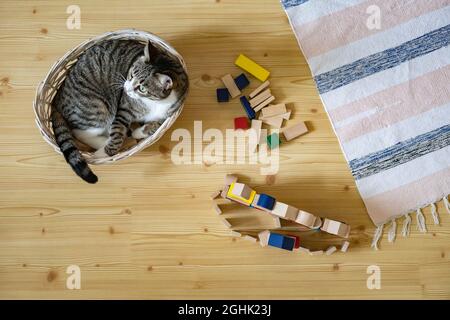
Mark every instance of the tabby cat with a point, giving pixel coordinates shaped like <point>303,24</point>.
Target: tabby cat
<point>113,85</point>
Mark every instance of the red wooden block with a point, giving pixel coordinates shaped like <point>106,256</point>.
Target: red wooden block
<point>241,123</point>
<point>297,240</point>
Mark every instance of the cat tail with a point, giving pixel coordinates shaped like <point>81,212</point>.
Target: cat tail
<point>64,139</point>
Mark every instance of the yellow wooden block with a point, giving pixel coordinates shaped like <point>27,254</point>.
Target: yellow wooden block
<point>246,201</point>
<point>252,67</point>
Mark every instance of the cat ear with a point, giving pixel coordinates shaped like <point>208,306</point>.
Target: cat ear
<point>150,52</point>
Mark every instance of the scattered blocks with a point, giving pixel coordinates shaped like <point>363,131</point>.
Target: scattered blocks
<point>258,90</point>
<point>264,202</point>
<point>241,81</point>
<point>273,140</point>
<point>345,245</point>
<point>223,95</point>
<point>285,211</point>
<point>295,131</point>
<point>335,227</point>
<point>248,109</point>
<point>241,123</point>
<point>252,67</point>
<point>228,81</point>
<point>330,250</point>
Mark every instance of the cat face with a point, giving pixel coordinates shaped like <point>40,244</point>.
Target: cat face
<point>150,76</point>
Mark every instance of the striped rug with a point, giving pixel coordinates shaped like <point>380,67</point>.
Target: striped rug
<point>382,69</point>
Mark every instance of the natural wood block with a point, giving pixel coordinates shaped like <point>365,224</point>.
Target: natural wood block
<point>263,237</point>
<point>316,253</point>
<point>260,98</point>
<point>264,103</point>
<point>235,234</point>
<point>335,227</point>
<point>294,131</point>
<point>275,122</point>
<point>345,246</point>
<point>228,81</point>
<point>226,223</point>
<point>250,238</point>
<point>273,110</point>
<point>217,208</point>
<point>277,222</point>
<point>330,250</point>
<point>230,179</point>
<point>255,92</point>
<point>215,194</point>
<point>285,211</point>
<point>306,218</point>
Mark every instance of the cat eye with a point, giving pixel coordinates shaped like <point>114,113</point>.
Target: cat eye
<point>142,89</point>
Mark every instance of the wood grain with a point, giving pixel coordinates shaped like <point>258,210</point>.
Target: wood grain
<point>148,228</point>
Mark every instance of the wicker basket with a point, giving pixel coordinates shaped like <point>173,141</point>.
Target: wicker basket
<point>48,87</point>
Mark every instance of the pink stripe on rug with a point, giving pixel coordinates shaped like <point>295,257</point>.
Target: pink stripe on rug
<point>383,206</point>
<point>349,25</point>
<point>394,104</point>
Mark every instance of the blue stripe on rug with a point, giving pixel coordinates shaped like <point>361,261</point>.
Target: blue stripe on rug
<point>292,3</point>
<point>380,61</point>
<point>400,153</point>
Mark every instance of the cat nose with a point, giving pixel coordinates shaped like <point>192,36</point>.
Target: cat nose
<point>166,81</point>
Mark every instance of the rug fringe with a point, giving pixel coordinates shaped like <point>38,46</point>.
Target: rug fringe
<point>421,226</point>
<point>406,225</point>
<point>392,231</point>
<point>434,214</point>
<point>446,204</point>
<point>377,236</point>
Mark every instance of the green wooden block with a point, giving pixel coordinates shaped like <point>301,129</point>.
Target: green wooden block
<point>273,140</point>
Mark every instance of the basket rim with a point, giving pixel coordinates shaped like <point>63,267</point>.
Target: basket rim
<point>60,64</point>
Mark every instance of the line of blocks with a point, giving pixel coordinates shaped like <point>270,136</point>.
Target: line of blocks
<point>243,194</point>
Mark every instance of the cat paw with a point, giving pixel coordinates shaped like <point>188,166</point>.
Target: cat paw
<point>139,133</point>
<point>99,154</point>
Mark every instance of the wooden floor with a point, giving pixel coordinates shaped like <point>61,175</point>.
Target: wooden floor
<point>147,229</point>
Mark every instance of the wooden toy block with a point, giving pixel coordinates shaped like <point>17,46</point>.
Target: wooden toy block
<point>241,123</point>
<point>264,103</point>
<point>275,122</point>
<point>273,140</point>
<point>345,246</point>
<point>263,237</point>
<point>302,249</point>
<point>252,67</point>
<point>228,81</point>
<point>277,222</point>
<point>316,253</point>
<point>224,192</point>
<point>215,195</point>
<point>330,250</point>
<point>250,238</point>
<point>297,241</point>
<point>285,116</point>
<point>276,240</point>
<point>237,195</point>
<point>335,227</point>
<point>285,211</point>
<point>317,223</point>
<point>273,110</point>
<point>235,233</point>
<point>295,131</point>
<point>241,81</point>
<point>306,219</point>
<point>223,95</point>
<point>248,109</point>
<point>256,127</point>
<point>289,243</point>
<point>226,223</point>
<point>241,190</point>
<point>230,179</point>
<point>264,202</point>
<point>260,98</point>
<point>258,90</point>
<point>217,208</point>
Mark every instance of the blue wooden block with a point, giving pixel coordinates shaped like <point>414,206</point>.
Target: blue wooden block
<point>223,95</point>
<point>265,201</point>
<point>248,109</point>
<point>276,240</point>
<point>241,81</point>
<point>288,243</point>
